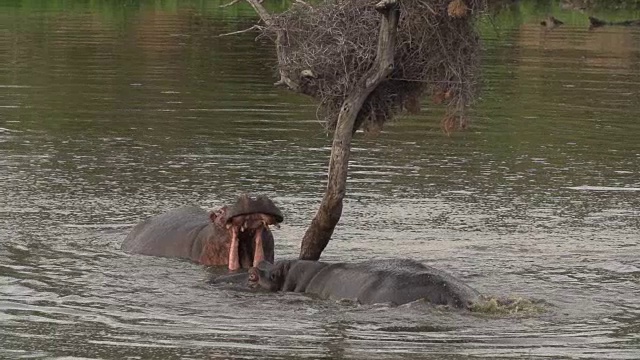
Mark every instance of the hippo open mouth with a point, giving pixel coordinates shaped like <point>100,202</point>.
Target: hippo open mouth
<point>237,235</point>
<point>247,221</point>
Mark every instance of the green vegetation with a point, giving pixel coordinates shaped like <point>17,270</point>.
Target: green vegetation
<point>116,8</point>
<point>504,15</point>
<point>507,306</point>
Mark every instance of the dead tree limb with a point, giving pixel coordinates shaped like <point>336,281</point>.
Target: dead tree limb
<point>319,232</point>
<point>280,38</point>
<point>360,81</point>
<point>230,4</point>
<point>254,27</point>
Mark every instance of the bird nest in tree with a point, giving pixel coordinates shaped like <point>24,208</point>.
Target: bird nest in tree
<point>327,48</point>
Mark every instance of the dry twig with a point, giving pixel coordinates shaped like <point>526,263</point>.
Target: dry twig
<point>254,27</point>
<point>229,4</point>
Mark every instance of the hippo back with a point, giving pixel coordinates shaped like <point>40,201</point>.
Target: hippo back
<point>397,281</point>
<point>433,285</point>
<point>172,234</point>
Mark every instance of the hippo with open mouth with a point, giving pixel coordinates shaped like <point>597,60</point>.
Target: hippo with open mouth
<point>237,235</point>
<point>395,281</point>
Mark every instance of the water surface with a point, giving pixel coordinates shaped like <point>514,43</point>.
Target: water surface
<point>111,114</point>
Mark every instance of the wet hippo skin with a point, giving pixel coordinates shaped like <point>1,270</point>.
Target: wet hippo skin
<point>230,236</point>
<point>396,281</point>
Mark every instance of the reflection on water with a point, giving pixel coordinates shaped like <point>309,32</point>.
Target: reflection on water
<point>109,115</point>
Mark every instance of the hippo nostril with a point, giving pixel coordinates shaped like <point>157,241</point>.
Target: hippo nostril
<point>253,276</point>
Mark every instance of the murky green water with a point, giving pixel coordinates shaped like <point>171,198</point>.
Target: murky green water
<point>111,113</point>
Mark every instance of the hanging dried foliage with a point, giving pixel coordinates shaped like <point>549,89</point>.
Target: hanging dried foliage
<point>327,48</point>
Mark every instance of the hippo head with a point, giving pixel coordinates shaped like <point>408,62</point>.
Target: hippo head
<point>269,276</point>
<point>247,221</point>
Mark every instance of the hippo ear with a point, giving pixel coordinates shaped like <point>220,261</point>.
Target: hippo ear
<point>286,267</point>
<point>219,216</point>
<point>282,270</point>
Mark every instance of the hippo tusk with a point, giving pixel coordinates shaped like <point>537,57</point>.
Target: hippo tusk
<point>234,259</point>
<point>258,252</point>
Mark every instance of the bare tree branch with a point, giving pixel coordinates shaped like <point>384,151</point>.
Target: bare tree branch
<point>303,3</point>
<point>319,232</point>
<point>261,11</point>
<point>280,39</point>
<point>329,52</point>
<point>229,4</point>
<point>254,27</point>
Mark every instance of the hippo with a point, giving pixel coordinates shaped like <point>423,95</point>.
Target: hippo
<point>237,236</point>
<point>395,281</point>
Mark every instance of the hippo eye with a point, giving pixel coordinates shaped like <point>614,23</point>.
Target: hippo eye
<point>272,277</point>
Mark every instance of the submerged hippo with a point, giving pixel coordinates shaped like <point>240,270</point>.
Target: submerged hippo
<point>397,281</point>
<point>237,236</point>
